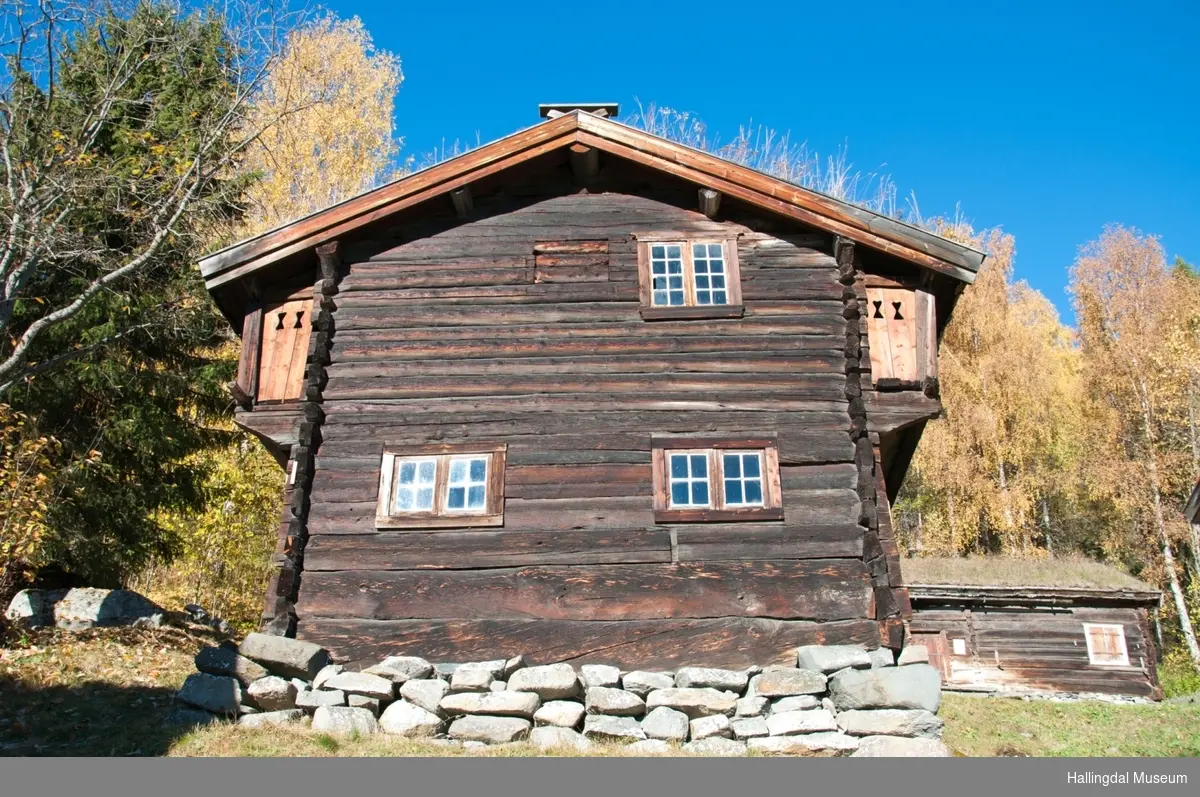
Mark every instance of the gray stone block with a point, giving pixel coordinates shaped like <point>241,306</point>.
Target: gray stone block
<point>724,680</point>
<point>271,693</point>
<point>890,722</point>
<point>560,713</point>
<point>344,721</point>
<point>550,737</point>
<point>426,693</point>
<point>405,719</point>
<point>217,694</point>
<point>787,682</point>
<point>311,701</point>
<point>227,662</point>
<point>693,702</point>
<point>831,658</point>
<point>290,658</point>
<point>642,683</point>
<point>749,728</point>
<point>914,686</point>
<point>549,681</point>
<point>266,719</point>
<point>715,746</point>
<point>490,730</point>
<point>615,702</point>
<point>790,723</point>
<point>500,704</point>
<point>613,729</point>
<point>900,747</point>
<point>804,744</point>
<point>599,675</point>
<point>704,727</point>
<point>667,724</point>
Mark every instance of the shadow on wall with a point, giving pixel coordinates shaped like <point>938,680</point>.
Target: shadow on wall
<point>92,718</point>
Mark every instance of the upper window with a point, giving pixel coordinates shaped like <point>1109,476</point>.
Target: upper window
<point>441,486</point>
<point>689,278</point>
<point>1106,644</point>
<point>698,479</point>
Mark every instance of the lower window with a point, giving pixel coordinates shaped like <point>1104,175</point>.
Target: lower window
<point>716,479</point>
<point>441,486</point>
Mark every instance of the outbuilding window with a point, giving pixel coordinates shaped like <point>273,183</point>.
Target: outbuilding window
<point>688,278</point>
<point>1106,644</point>
<point>441,486</point>
<point>717,479</point>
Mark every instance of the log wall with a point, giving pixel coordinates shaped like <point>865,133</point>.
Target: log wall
<point>463,334</point>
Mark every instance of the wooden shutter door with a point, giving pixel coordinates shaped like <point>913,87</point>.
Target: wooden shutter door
<point>892,334</point>
<point>286,329</point>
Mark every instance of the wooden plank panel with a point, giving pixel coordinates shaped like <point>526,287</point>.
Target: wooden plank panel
<point>902,333</point>
<point>877,333</point>
<point>248,362</point>
<point>648,644</point>
<point>482,549</point>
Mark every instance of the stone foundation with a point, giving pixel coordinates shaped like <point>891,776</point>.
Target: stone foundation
<point>837,700</point>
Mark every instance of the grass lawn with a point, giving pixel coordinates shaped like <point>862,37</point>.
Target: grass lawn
<point>108,692</point>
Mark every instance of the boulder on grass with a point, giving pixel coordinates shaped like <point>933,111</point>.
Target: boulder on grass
<point>81,608</point>
<point>917,686</point>
<point>649,747</point>
<point>550,737</point>
<point>900,747</point>
<point>790,723</point>
<point>490,730</point>
<point>715,745</point>
<point>217,694</point>
<point>890,722</point>
<point>666,724</point>
<point>806,744</point>
<point>266,719</point>
<point>291,658</point>
<point>612,729</point>
<point>271,693</point>
<point>344,721</point>
<point>704,727</point>
<point>405,719</point>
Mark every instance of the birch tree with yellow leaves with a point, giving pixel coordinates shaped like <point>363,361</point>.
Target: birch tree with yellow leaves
<point>333,94</point>
<point>1138,345</point>
<point>995,474</point>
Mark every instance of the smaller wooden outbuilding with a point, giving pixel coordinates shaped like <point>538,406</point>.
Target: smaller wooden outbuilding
<point>1019,626</point>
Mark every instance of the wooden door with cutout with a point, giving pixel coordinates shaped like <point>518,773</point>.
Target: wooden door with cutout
<point>285,333</point>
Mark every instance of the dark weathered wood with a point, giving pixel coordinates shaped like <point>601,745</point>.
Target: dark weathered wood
<point>247,374</point>
<point>825,589</point>
<point>484,549</point>
<point>651,644</point>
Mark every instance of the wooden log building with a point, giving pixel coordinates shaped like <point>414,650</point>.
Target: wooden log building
<point>592,396</point>
<point>1069,627</point>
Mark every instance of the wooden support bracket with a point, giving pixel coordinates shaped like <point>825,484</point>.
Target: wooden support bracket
<point>585,163</point>
<point>463,203</point>
<point>710,201</point>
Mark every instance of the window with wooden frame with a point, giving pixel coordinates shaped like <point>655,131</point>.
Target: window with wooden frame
<point>682,277</point>
<point>441,486</point>
<point>1106,644</point>
<point>699,479</point>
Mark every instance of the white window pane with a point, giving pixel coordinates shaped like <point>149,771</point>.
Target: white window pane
<point>425,499</point>
<point>427,471</point>
<point>404,499</point>
<point>408,472</point>
<point>458,470</point>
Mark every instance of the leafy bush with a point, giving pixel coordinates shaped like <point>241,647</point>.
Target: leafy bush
<point>1178,675</point>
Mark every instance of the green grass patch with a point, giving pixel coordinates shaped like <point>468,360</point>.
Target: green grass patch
<point>1000,726</point>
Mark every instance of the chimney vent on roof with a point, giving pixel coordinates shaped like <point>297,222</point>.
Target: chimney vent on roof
<point>553,110</point>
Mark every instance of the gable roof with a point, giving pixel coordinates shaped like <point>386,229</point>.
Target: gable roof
<point>580,128</point>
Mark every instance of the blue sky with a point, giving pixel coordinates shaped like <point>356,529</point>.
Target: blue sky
<point>1049,119</point>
